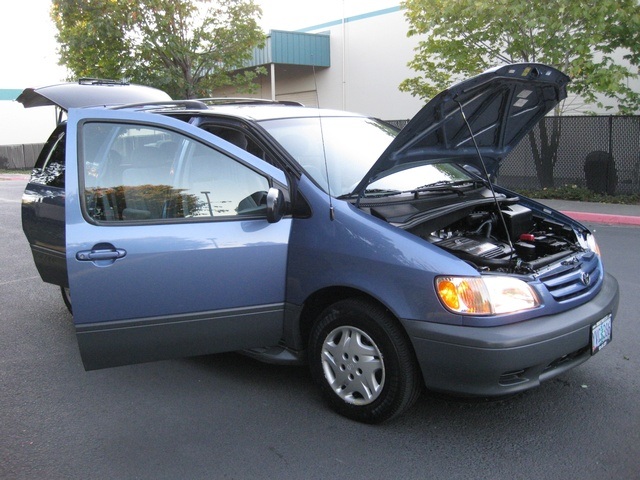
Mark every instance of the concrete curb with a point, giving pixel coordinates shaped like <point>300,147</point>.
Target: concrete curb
<point>14,176</point>
<point>608,219</point>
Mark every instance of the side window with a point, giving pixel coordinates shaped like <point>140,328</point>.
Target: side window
<point>218,185</point>
<point>144,174</point>
<point>239,139</point>
<point>49,169</point>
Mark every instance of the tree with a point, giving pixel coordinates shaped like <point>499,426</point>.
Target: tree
<point>464,37</point>
<point>185,47</point>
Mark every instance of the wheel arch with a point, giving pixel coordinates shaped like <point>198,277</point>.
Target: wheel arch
<point>321,299</point>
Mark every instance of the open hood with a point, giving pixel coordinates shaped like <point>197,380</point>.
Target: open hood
<point>89,93</point>
<point>501,105</point>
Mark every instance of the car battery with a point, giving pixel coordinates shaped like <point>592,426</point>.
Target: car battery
<point>518,220</point>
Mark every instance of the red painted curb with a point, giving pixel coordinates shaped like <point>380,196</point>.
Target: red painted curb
<point>604,218</point>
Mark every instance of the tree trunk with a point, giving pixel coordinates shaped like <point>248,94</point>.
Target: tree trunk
<point>545,151</point>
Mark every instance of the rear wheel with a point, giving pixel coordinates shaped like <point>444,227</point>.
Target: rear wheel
<point>362,361</point>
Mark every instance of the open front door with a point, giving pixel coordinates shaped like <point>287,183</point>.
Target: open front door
<point>168,246</point>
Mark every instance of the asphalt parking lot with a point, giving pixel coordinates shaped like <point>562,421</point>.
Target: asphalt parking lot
<point>230,417</point>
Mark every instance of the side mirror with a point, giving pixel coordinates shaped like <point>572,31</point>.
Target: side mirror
<point>275,205</point>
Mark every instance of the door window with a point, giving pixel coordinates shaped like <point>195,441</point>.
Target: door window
<point>49,170</point>
<point>147,174</point>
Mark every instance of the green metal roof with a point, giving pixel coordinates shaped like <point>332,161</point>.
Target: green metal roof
<point>9,93</point>
<point>293,48</point>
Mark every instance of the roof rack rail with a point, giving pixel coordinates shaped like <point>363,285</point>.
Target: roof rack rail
<point>186,104</point>
<point>101,81</point>
<point>246,101</point>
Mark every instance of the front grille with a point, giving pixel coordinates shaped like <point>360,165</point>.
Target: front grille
<point>574,278</point>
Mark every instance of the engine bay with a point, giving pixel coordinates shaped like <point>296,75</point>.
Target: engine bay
<point>500,235</point>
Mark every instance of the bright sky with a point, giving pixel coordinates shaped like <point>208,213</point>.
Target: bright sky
<point>28,45</point>
<point>28,51</point>
<point>29,59</point>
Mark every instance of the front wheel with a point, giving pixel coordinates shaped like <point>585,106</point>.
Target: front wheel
<point>362,361</point>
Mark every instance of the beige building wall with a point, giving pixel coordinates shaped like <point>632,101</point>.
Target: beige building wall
<point>369,56</point>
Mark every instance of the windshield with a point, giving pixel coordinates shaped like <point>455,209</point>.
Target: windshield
<point>350,145</point>
<point>415,178</point>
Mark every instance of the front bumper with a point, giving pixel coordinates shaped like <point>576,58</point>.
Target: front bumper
<point>510,358</point>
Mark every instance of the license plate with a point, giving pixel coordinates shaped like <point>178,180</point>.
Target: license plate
<point>600,334</point>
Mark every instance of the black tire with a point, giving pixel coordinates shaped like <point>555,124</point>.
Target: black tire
<point>363,362</point>
<point>66,296</point>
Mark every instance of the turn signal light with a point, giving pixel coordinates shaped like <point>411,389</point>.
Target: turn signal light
<point>485,295</point>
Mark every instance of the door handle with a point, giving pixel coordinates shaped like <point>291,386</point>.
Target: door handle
<point>100,252</point>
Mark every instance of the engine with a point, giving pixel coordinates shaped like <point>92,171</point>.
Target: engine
<point>512,240</point>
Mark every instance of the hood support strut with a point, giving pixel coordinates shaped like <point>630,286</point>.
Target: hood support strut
<point>486,175</point>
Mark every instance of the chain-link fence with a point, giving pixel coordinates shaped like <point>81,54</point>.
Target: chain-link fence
<point>601,153</point>
<point>597,152</point>
<point>397,123</point>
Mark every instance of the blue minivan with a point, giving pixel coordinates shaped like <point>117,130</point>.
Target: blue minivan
<point>387,260</point>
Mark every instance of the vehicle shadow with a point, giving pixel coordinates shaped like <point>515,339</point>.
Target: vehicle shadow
<point>432,409</point>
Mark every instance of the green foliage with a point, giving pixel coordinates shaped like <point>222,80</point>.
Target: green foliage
<point>93,37</point>
<point>461,38</point>
<point>185,47</point>
<point>581,194</point>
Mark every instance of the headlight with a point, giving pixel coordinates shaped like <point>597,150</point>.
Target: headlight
<point>487,295</point>
<point>592,244</point>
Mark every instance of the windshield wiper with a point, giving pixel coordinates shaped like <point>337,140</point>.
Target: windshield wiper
<point>441,186</point>
<point>446,186</point>
<point>449,183</point>
<point>372,193</point>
